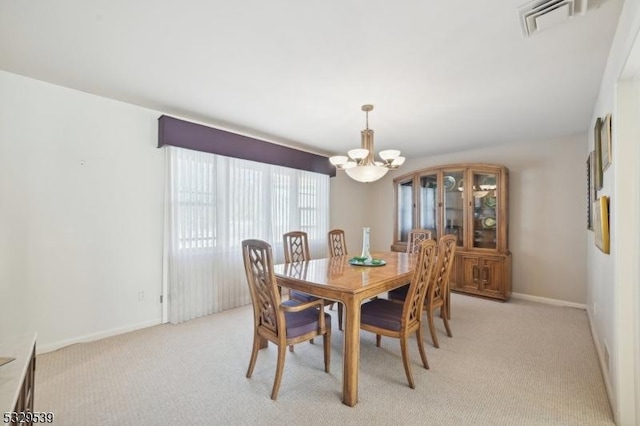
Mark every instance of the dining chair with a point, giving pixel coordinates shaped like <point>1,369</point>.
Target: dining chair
<point>388,318</point>
<point>296,249</point>
<point>296,246</point>
<point>337,243</point>
<point>438,293</point>
<point>416,237</point>
<point>282,323</point>
<point>337,247</point>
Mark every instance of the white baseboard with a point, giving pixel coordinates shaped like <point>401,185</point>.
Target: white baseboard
<point>41,349</point>
<point>548,301</point>
<point>604,368</point>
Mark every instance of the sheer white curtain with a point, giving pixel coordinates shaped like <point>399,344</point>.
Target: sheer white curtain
<point>215,202</point>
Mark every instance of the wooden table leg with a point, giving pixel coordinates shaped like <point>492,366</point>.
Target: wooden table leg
<point>351,353</point>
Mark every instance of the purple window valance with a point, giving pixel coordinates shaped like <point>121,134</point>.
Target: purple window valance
<point>183,134</point>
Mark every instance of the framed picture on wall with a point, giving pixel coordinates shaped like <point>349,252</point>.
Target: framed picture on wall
<point>601,223</point>
<point>591,191</point>
<point>605,141</point>
<point>597,147</point>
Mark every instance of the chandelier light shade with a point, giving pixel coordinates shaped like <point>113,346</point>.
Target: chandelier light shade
<point>359,163</point>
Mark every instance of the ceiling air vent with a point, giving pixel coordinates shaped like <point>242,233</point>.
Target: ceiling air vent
<point>539,15</point>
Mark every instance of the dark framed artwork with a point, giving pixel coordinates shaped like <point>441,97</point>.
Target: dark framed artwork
<point>597,147</point>
<point>591,191</point>
<point>605,142</point>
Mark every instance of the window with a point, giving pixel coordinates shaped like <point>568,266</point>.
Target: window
<point>215,202</point>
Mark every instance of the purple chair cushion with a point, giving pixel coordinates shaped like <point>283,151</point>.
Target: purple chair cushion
<point>382,313</point>
<point>299,323</point>
<point>399,293</point>
<point>300,296</point>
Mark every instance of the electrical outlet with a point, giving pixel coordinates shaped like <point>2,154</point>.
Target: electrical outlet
<point>141,296</point>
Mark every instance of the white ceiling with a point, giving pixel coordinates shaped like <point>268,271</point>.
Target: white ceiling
<point>443,75</point>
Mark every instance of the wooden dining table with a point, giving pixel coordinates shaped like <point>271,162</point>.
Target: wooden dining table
<point>336,279</point>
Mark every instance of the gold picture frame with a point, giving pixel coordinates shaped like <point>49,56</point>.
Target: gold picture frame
<point>601,223</point>
<point>605,142</point>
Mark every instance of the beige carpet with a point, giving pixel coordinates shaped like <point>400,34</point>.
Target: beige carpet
<point>515,363</point>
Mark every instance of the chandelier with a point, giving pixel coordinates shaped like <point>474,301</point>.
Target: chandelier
<point>360,164</point>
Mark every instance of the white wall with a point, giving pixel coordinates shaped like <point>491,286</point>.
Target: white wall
<point>13,229</point>
<point>82,196</point>
<point>613,279</point>
<point>351,210</point>
<point>547,218</point>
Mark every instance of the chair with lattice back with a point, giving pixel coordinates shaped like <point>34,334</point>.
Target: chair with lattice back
<point>438,294</point>
<point>282,323</point>
<point>337,243</point>
<point>337,247</point>
<point>296,249</point>
<point>416,237</point>
<point>388,318</point>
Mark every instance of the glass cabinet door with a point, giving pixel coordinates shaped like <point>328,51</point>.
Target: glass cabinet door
<point>453,204</point>
<point>404,203</point>
<point>428,217</point>
<point>485,207</point>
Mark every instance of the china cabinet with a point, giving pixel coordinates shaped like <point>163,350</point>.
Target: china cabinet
<point>469,201</point>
